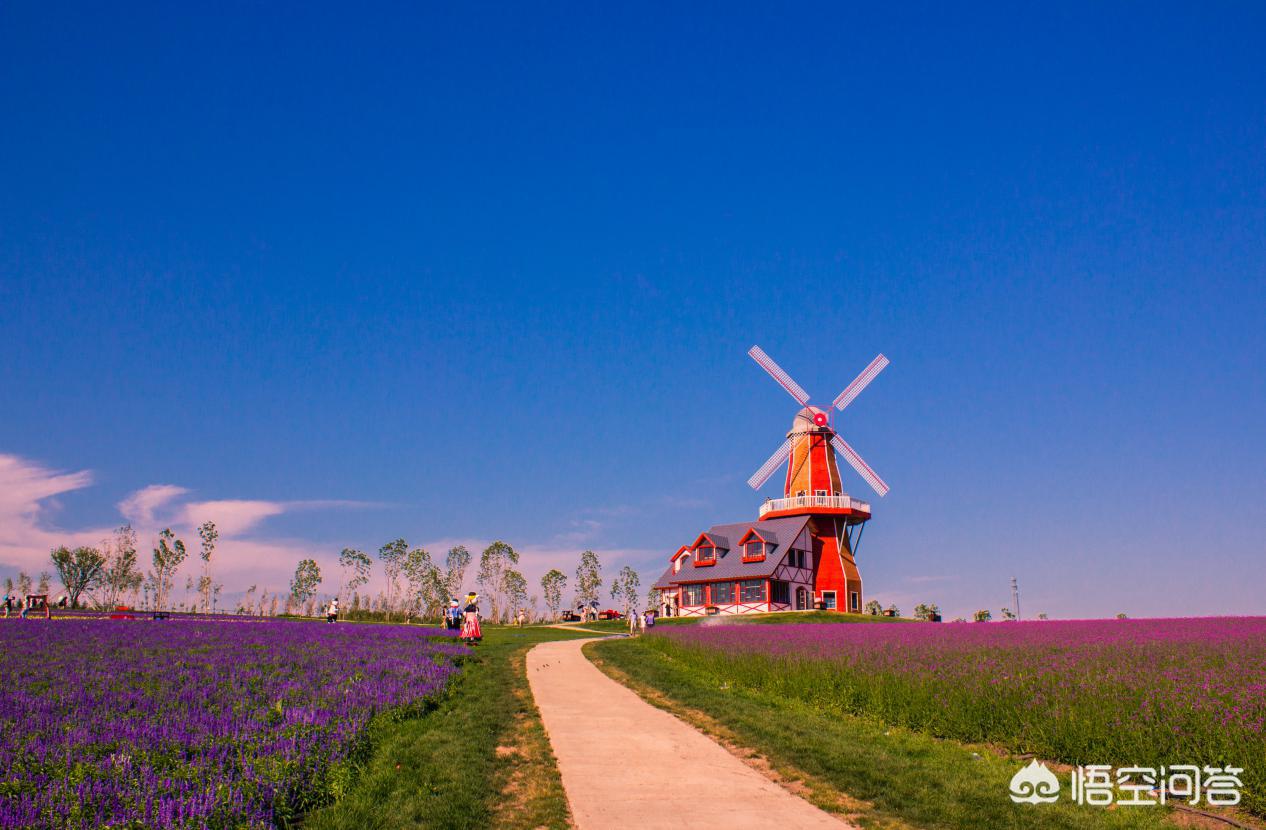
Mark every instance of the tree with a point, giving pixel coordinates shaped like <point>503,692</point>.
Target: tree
<point>80,570</point>
<point>306,579</point>
<point>1122,616</point>
<point>356,566</point>
<point>121,576</point>
<point>925,612</point>
<point>625,588</point>
<point>982,615</point>
<point>168,555</point>
<point>552,586</point>
<point>874,608</point>
<point>652,598</point>
<point>426,585</point>
<point>494,562</point>
<point>1043,616</point>
<point>46,582</point>
<point>1008,614</point>
<point>207,589</point>
<point>515,587</point>
<point>588,578</point>
<point>24,584</point>
<point>247,603</point>
<point>455,565</point>
<point>392,556</point>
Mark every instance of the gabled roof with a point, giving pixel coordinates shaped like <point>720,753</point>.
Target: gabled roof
<point>715,538</point>
<point>763,534</point>
<point>731,564</point>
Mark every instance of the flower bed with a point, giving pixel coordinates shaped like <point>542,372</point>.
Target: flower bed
<point>184,723</point>
<point>1149,692</point>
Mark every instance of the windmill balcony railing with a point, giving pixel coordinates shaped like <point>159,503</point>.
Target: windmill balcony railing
<point>800,502</point>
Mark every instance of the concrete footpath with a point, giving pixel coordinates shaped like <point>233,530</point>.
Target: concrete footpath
<point>625,763</point>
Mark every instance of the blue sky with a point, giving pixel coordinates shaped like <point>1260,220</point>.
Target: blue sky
<point>333,277</point>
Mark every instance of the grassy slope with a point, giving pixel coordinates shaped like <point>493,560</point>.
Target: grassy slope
<point>480,759</point>
<point>903,778</point>
<point>622,626</point>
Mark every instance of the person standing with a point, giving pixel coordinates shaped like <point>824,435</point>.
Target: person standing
<point>471,631</point>
<point>331,613</point>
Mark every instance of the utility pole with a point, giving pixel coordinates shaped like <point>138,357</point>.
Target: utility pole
<point>1015,597</point>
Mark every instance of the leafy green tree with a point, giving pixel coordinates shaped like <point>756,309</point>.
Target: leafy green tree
<point>168,556</point>
<point>306,579</point>
<point>516,592</point>
<point>588,578</point>
<point>426,583</point>
<point>79,569</point>
<point>874,608</point>
<point>983,615</point>
<point>356,566</point>
<point>552,586</point>
<point>925,611</point>
<point>455,565</point>
<point>494,562</point>
<point>1043,616</point>
<point>207,589</point>
<point>122,574</point>
<point>625,588</point>
<point>392,556</point>
<point>1008,614</point>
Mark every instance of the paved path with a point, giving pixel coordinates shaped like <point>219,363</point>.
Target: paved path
<point>625,763</point>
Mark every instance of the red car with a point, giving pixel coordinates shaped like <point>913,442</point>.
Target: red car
<point>609,614</point>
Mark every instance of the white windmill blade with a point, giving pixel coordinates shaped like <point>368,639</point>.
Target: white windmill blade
<point>863,469</point>
<point>782,378</point>
<point>859,383</point>
<point>762,475</point>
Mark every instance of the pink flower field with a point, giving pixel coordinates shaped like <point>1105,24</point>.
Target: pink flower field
<point>1152,692</point>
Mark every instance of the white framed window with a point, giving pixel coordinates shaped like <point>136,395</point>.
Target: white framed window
<point>828,600</point>
<point>692,595</point>
<point>854,601</point>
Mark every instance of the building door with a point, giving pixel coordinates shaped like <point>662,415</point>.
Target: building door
<point>802,599</point>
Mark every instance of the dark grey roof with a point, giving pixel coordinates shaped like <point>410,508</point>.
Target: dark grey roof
<point>731,564</point>
<point>718,540</point>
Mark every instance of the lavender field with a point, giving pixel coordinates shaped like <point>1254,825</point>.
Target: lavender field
<point>189,724</point>
<point>1152,692</point>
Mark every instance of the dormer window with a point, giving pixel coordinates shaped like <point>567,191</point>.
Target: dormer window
<point>755,546</point>
<point>705,555</point>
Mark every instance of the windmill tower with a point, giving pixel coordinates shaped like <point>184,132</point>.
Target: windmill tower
<point>813,486</point>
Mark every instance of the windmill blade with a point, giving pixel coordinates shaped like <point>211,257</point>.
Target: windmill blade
<point>855,388</point>
<point>863,469</point>
<point>782,378</point>
<point>767,469</point>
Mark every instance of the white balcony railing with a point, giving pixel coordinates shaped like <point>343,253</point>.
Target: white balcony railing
<point>801,502</point>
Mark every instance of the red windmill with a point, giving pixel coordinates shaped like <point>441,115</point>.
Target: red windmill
<point>813,486</point>
<point>800,554</point>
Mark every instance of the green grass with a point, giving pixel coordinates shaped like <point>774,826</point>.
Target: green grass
<point>903,777</point>
<point>782,617</point>
<point>479,759</point>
